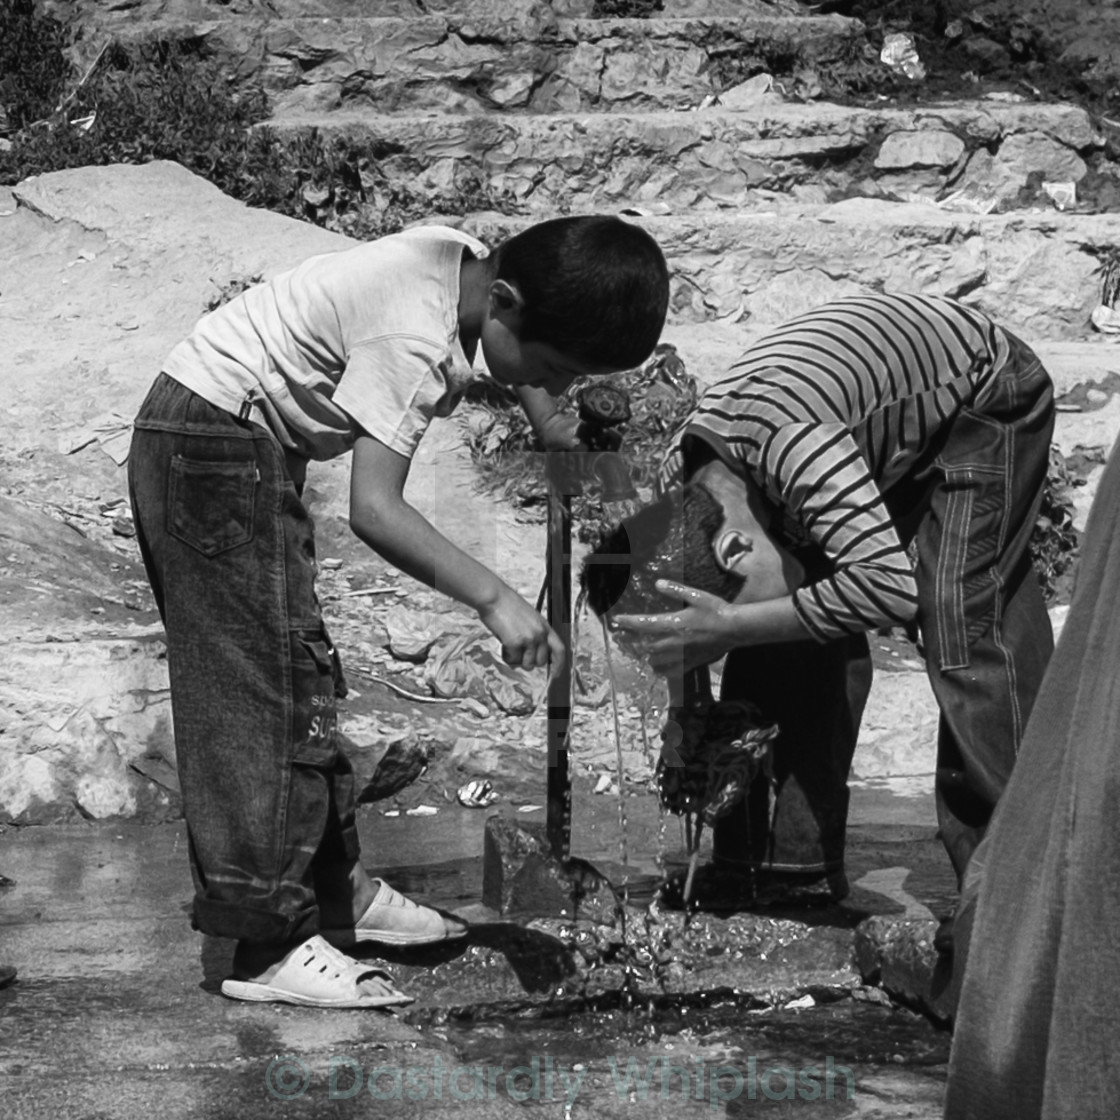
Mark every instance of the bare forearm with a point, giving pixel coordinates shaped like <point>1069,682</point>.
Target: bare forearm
<point>765,623</point>
<point>411,543</point>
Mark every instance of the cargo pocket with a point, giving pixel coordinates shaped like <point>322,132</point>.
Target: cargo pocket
<point>314,711</point>
<point>211,504</point>
<point>970,503</point>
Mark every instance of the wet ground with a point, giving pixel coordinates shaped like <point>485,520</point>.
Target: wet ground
<point>116,1011</point>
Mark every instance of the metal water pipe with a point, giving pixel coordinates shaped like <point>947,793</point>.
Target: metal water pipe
<point>601,409</point>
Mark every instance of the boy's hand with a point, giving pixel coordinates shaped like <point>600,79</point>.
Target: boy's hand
<point>527,640</point>
<point>698,633</point>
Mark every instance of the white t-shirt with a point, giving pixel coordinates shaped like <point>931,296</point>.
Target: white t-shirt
<point>363,338</point>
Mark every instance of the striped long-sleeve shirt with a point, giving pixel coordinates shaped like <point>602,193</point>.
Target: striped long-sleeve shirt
<point>829,411</point>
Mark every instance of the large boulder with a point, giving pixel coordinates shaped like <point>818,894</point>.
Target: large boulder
<point>104,269</point>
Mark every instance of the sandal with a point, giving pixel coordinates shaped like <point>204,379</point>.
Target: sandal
<point>392,919</point>
<point>315,974</point>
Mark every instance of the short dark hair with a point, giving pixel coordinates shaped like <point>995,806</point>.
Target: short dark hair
<point>671,538</point>
<point>596,288</point>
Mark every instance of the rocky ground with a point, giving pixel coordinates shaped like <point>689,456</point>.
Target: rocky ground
<point>780,162</point>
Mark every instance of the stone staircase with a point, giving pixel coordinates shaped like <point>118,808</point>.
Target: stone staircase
<point>767,198</point>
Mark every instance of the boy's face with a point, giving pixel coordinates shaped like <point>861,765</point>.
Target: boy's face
<point>510,361</point>
<point>742,545</point>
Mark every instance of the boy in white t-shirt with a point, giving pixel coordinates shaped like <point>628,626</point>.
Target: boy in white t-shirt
<point>350,351</point>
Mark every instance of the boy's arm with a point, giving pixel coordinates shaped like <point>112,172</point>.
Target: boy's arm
<point>382,518</point>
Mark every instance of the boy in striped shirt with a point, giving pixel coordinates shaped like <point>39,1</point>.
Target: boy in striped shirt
<point>870,426</point>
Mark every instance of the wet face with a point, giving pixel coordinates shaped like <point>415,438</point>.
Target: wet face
<point>742,545</point>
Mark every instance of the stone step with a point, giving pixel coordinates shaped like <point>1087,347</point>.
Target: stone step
<point>368,9</point>
<point>151,10</point>
<point>526,61</point>
<point>982,151</point>
<point>1039,273</point>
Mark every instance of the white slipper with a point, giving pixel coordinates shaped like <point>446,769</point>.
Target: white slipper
<point>315,974</point>
<point>392,919</point>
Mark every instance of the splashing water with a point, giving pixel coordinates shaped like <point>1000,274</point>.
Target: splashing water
<point>623,846</point>
<point>616,511</point>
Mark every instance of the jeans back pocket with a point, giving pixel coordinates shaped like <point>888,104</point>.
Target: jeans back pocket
<point>211,504</point>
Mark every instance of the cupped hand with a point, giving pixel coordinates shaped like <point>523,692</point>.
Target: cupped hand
<point>699,631</point>
<point>527,640</point>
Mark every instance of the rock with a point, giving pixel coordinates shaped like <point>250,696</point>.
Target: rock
<point>1003,175</point>
<point>750,94</point>
<point>401,764</point>
<point>898,955</point>
<point>87,731</point>
<point>520,875</point>
<point>1037,273</point>
<point>1028,152</point>
<point>919,149</point>
<point>985,53</point>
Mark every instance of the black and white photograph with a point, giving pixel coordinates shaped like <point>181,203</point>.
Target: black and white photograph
<point>558,559</point>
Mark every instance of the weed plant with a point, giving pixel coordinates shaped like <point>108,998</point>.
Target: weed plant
<point>175,101</point>
<point>33,68</point>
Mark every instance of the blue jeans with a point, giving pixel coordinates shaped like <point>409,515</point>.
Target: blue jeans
<point>968,506</point>
<point>229,550</point>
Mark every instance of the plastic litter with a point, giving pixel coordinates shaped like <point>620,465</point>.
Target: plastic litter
<point>603,785</point>
<point>421,811</point>
<point>110,430</point>
<point>468,666</point>
<point>900,54</point>
<point>801,1004</point>
<point>477,794</point>
<point>969,202</point>
<point>1064,195</point>
<point>412,633</point>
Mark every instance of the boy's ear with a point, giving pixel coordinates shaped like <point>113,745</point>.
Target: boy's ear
<point>770,571</point>
<point>731,549</point>
<point>506,303</point>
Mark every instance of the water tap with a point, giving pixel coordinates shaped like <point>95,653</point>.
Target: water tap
<point>603,408</point>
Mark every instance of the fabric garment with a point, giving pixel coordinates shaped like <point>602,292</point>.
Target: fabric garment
<point>803,830</point>
<point>831,410</point>
<point>228,547</point>
<point>366,337</point>
<point>967,506</point>
<point>1035,1034</point>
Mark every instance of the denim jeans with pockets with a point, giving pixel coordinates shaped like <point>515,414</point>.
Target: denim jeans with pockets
<point>968,508</point>
<point>229,550</point>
